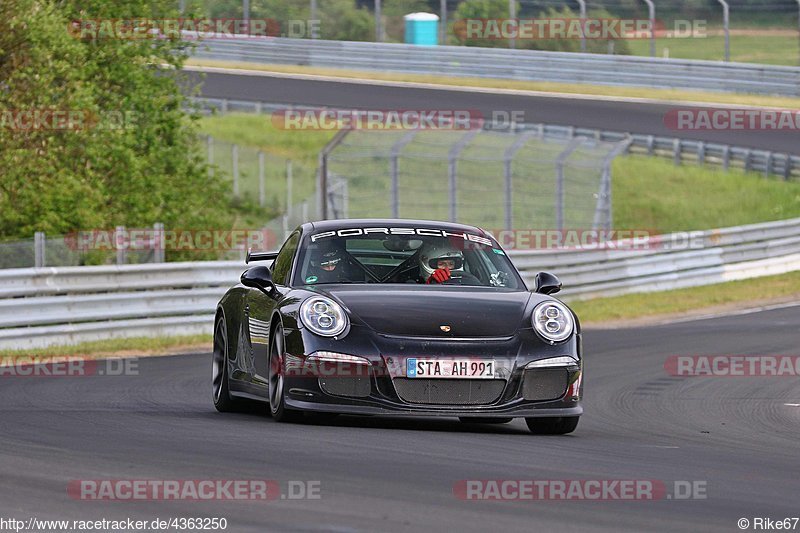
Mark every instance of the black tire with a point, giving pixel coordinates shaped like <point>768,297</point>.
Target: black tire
<point>277,394</point>
<point>484,420</point>
<point>558,425</point>
<point>220,388</point>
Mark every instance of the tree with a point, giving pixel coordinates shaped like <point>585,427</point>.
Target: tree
<point>132,159</point>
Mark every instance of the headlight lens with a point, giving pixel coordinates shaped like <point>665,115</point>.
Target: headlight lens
<point>323,316</point>
<point>553,321</point>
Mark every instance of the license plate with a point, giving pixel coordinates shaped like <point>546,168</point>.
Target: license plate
<point>450,368</point>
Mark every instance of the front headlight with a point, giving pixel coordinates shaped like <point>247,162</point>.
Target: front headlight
<point>323,316</point>
<point>553,321</point>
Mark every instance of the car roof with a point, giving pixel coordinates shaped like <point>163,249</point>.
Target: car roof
<point>331,225</point>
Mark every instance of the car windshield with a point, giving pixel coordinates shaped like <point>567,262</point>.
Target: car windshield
<point>417,255</point>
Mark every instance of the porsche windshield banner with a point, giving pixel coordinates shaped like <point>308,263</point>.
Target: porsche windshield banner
<point>422,232</point>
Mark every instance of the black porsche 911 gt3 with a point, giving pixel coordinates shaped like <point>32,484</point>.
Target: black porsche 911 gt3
<point>398,317</point>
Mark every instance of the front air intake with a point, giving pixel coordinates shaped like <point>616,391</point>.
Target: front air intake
<point>545,384</point>
<point>449,391</point>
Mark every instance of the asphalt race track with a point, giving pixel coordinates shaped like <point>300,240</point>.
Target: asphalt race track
<point>646,118</point>
<point>734,434</point>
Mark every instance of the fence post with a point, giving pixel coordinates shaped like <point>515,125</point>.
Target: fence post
<point>39,249</point>
<point>304,211</point>
<point>726,157</point>
<point>560,161</point>
<point>604,200</point>
<point>442,21</point>
<point>121,245</point>
<point>676,151</point>
<point>322,179</point>
<point>158,243</point>
<point>452,159</point>
<point>261,185</point>
<point>787,169</point>
<point>509,176</point>
<point>346,198</point>
<point>582,4</point>
<point>235,163</point>
<point>512,14</point>
<point>313,19</point>
<point>394,171</point>
<point>726,28</point>
<point>768,165</point>
<point>701,153</point>
<point>289,185</point>
<point>651,8</point>
<point>210,154</point>
<point>378,22</point>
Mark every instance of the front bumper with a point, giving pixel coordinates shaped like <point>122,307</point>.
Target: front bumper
<point>373,389</point>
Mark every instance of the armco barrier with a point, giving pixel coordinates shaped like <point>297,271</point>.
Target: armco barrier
<point>45,306</point>
<point>530,65</point>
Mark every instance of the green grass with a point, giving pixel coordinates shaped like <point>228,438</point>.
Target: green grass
<point>769,49</point>
<point>134,346</point>
<point>651,193</point>
<point>683,300</point>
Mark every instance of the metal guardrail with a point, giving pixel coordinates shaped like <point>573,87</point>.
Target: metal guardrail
<point>529,65</point>
<point>782,165</point>
<point>714,256</point>
<point>45,306</point>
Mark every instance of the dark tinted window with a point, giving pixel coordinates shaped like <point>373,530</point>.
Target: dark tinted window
<point>403,255</point>
<point>283,263</point>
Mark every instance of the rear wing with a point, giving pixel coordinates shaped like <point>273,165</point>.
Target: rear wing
<point>260,256</point>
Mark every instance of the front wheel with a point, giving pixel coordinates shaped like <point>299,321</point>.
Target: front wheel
<point>277,373</point>
<point>219,369</point>
<point>558,425</point>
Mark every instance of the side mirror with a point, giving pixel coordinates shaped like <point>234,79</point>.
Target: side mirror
<point>547,283</point>
<point>258,277</point>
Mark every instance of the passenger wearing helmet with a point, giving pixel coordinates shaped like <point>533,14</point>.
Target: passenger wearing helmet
<point>442,263</point>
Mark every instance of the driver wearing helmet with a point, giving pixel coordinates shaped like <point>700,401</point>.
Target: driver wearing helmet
<point>327,266</point>
<point>442,263</point>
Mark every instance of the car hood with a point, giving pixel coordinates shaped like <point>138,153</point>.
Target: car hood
<point>421,311</point>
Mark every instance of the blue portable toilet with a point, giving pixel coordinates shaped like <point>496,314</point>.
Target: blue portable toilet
<point>422,29</point>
